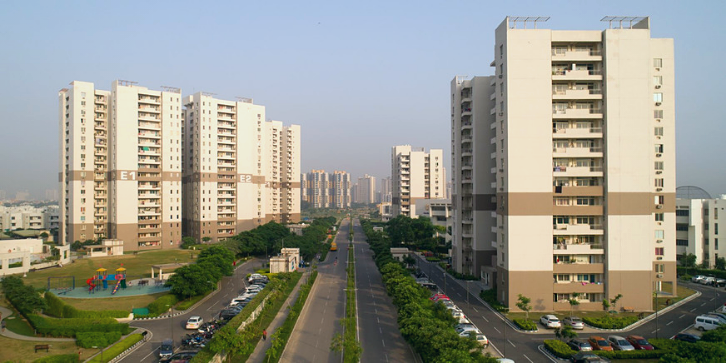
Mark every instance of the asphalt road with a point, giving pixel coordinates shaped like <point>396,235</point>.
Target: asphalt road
<point>162,329</point>
<point>325,307</point>
<point>377,317</point>
<point>523,347</point>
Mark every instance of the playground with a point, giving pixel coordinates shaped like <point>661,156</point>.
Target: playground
<point>104,284</point>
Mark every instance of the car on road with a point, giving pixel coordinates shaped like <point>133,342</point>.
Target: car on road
<point>588,358</point>
<point>620,343</point>
<point>707,322</point>
<point>166,349</point>
<point>194,322</point>
<point>482,339</point>
<point>719,282</point>
<point>550,321</point>
<point>685,337</point>
<point>638,342</point>
<point>579,345</point>
<point>575,322</point>
<point>707,280</point>
<point>697,278</point>
<point>599,343</point>
<point>459,317</point>
<point>181,357</point>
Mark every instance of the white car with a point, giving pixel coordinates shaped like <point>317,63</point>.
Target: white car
<point>707,280</point>
<point>459,317</point>
<point>697,278</point>
<point>468,333</point>
<point>550,321</point>
<point>575,322</point>
<point>194,322</point>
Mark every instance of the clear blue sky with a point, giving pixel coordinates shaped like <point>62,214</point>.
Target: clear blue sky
<point>358,77</point>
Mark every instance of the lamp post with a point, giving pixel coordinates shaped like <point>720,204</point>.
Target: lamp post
<point>171,322</point>
<point>655,295</point>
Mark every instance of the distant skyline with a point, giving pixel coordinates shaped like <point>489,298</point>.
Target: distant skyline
<point>358,78</point>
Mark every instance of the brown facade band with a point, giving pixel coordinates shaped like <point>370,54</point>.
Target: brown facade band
<point>542,204</point>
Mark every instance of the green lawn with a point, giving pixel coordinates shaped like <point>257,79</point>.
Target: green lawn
<point>126,303</point>
<point>137,266</point>
<point>16,323</point>
<point>23,351</point>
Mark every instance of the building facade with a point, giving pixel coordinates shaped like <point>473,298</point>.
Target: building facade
<point>415,174</point>
<point>240,171</point>
<point>697,229</point>
<point>366,191</point>
<point>317,188</point>
<point>340,189</point>
<point>120,161</point>
<point>581,156</point>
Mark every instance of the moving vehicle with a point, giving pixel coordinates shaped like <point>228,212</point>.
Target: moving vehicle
<point>333,246</point>
<point>575,322</point>
<point>599,343</point>
<point>194,322</point>
<point>579,345</point>
<point>639,343</point>
<point>181,357</point>
<point>685,337</point>
<point>166,349</point>
<point>550,321</point>
<point>619,343</point>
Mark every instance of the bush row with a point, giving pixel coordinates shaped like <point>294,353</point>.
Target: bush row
<point>562,350</point>
<point>162,304</point>
<point>24,297</point>
<point>428,327</point>
<point>96,339</point>
<point>69,327</point>
<point>525,324</point>
<point>351,347</point>
<point>490,296</point>
<point>59,309</point>
<point>610,322</point>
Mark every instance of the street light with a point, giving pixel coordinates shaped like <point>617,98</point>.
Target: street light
<point>655,295</point>
<point>171,321</point>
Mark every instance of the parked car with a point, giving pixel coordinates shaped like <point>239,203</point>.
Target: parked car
<point>579,345</point>
<point>620,343</point>
<point>638,342</point>
<point>465,329</point>
<point>181,357</point>
<point>707,280</point>
<point>194,322</point>
<point>463,325</point>
<point>255,276</point>
<point>722,316</point>
<point>583,357</point>
<point>575,322</point>
<point>697,278</point>
<point>719,282</point>
<point>469,333</point>
<point>706,322</point>
<point>550,321</point>
<point>599,343</point>
<point>459,317</point>
<point>482,339</point>
<point>685,337</point>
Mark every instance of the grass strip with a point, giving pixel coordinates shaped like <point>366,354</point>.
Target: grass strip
<point>282,335</point>
<point>117,349</point>
<point>186,304</point>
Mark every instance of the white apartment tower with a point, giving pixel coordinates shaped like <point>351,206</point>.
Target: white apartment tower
<point>578,176</point>
<point>415,174</point>
<point>317,188</point>
<point>340,189</point>
<point>697,227</point>
<point>366,191</point>
<point>120,160</point>
<point>240,171</point>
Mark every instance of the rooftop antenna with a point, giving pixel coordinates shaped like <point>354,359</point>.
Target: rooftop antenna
<point>514,20</point>
<point>127,83</point>
<point>171,89</point>
<point>619,20</point>
<point>244,99</point>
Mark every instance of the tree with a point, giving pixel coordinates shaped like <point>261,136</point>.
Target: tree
<point>614,301</point>
<point>573,301</point>
<point>188,242</point>
<point>207,239</point>
<point>721,263</point>
<point>523,304</point>
<point>605,304</point>
<point>689,260</point>
<point>44,236</point>
<point>565,333</point>
<point>191,280</point>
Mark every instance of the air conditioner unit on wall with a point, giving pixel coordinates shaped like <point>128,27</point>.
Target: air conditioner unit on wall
<point>657,86</point>
<point>659,275</point>
<point>659,258</point>
<point>657,103</point>
<point>501,114</point>
<point>658,189</point>
<point>659,206</point>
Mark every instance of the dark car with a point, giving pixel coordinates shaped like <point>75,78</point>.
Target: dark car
<point>167,348</point>
<point>579,345</point>
<point>181,357</point>
<point>639,343</point>
<point>588,358</point>
<point>684,337</point>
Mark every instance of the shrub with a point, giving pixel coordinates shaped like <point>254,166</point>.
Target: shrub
<point>162,304</point>
<point>59,309</point>
<point>117,349</point>
<point>69,327</point>
<point>610,322</point>
<point>525,324</point>
<point>632,354</point>
<point>559,348</point>
<point>490,296</point>
<point>60,358</point>
<point>25,298</point>
<point>96,339</point>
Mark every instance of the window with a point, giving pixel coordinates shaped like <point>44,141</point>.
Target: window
<point>659,183</point>
<point>659,268</point>
<point>563,278</point>
<point>658,148</point>
<point>658,131</point>
<point>657,62</point>
<point>659,251</point>
<point>682,227</point>
<point>658,165</point>
<point>659,233</point>
<point>501,51</point>
<point>715,228</point>
<point>715,213</point>
<point>659,199</point>
<point>658,114</point>
<point>658,80</point>
<point>682,213</point>
<point>657,97</point>
<point>715,243</point>
<point>682,242</point>
<point>659,217</point>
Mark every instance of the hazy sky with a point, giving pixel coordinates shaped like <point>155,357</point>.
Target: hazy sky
<point>358,77</point>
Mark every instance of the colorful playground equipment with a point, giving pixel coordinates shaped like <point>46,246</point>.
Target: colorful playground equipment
<point>101,279</point>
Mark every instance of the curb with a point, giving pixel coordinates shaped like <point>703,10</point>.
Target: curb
<point>549,355</point>
<point>130,349</point>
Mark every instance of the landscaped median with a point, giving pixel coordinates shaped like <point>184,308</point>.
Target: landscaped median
<point>281,336</point>
<point>351,347</point>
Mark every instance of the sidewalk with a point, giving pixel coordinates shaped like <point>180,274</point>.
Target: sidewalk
<point>258,355</point>
<point>8,334</point>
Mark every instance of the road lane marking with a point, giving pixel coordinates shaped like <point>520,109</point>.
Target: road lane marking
<point>670,323</point>
<point>484,317</point>
<point>495,328</point>
<point>681,316</point>
<point>152,352</point>
<point>693,309</point>
<point>510,342</point>
<point>527,358</point>
<point>653,332</point>
<point>703,304</point>
<point>476,310</point>
<point>380,330</point>
<point>384,345</point>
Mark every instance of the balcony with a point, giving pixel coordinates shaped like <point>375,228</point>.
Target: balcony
<point>150,135</point>
<point>580,287</point>
<point>576,75</point>
<point>577,94</point>
<point>149,100</point>
<point>567,133</point>
<point>578,268</point>
<point>578,210</point>
<point>466,111</point>
<point>149,125</point>
<point>570,229</point>
<point>154,109</point>
<point>582,54</point>
<point>573,191</point>
<point>148,116</point>
<point>577,113</point>
<point>577,152</point>
<point>584,171</point>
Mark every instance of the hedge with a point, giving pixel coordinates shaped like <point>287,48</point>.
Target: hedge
<point>60,358</point>
<point>700,271</point>
<point>562,350</point>
<point>97,339</point>
<point>525,324</point>
<point>162,304</point>
<point>69,327</point>
<point>490,296</point>
<point>59,309</point>
<point>610,322</point>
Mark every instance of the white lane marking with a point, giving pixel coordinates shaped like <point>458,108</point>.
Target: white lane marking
<point>693,309</point>
<point>527,358</point>
<point>384,345</point>
<point>703,304</point>
<point>681,316</point>
<point>495,328</point>
<point>485,318</point>
<point>378,319</point>
<point>152,352</point>
<point>510,342</point>
<point>670,323</point>
<point>380,330</point>
<point>476,310</point>
<point>712,299</point>
<point>653,332</point>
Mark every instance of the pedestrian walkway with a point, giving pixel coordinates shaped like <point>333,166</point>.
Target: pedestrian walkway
<point>8,334</point>
<point>258,355</point>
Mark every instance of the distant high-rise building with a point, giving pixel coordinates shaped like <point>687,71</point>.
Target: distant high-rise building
<point>240,171</point>
<point>386,190</point>
<point>120,162</point>
<point>340,189</point>
<point>697,225</point>
<point>366,191</point>
<point>317,188</point>
<point>22,195</point>
<point>415,174</point>
<point>564,167</point>
<point>51,194</point>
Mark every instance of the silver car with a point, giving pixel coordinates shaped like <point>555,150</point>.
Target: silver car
<point>620,343</point>
<point>575,322</point>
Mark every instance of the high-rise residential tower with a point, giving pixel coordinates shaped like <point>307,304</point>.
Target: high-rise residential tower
<point>366,191</point>
<point>340,189</point>
<point>578,176</point>
<point>120,160</point>
<point>386,190</point>
<point>317,188</point>
<point>415,174</point>
<point>240,171</point>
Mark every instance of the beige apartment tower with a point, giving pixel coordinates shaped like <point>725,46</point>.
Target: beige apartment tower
<point>415,174</point>
<point>573,169</point>
<point>120,159</point>
<point>240,171</point>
